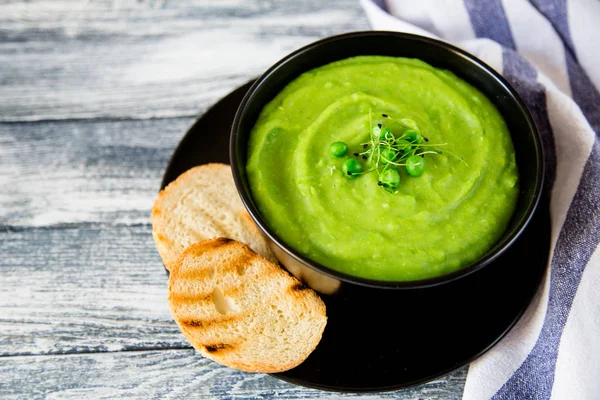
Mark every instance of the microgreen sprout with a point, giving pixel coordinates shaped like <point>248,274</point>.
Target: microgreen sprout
<point>392,144</point>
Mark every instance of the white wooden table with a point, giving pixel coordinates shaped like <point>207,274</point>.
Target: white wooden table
<point>94,96</point>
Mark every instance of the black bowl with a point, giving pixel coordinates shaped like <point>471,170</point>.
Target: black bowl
<point>525,136</point>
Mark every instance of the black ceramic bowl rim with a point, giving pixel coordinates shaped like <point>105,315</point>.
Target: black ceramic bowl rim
<point>490,256</point>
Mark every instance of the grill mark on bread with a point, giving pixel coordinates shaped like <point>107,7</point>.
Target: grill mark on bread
<point>240,260</point>
<point>213,348</point>
<point>195,274</point>
<point>297,287</point>
<point>193,322</point>
<point>186,297</point>
<point>182,297</point>
<point>213,244</point>
<point>218,242</point>
<point>205,323</point>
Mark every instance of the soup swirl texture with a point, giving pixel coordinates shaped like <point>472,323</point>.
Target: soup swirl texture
<point>433,224</point>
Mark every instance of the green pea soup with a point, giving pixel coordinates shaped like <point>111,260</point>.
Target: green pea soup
<point>431,224</point>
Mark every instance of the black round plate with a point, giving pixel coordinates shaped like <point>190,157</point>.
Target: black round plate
<point>378,339</point>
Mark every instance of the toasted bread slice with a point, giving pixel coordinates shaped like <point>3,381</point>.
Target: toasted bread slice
<point>242,311</point>
<point>202,203</point>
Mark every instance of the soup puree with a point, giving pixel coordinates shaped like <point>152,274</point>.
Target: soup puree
<point>433,224</point>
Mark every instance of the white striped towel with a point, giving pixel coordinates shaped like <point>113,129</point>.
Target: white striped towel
<point>548,50</point>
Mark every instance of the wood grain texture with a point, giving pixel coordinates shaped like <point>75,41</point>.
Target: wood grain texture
<point>83,289</point>
<point>68,172</point>
<point>130,59</point>
<point>80,319</point>
<point>95,96</point>
<point>170,374</point>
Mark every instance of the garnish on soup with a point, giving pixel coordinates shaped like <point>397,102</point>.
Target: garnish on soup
<point>393,144</point>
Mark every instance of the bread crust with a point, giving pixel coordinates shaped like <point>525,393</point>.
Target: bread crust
<point>237,308</point>
<point>202,203</point>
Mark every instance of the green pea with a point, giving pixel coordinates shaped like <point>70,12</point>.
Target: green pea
<point>338,149</point>
<point>415,165</point>
<point>389,179</point>
<point>352,168</point>
<point>387,155</point>
<point>413,136</point>
<point>404,146</point>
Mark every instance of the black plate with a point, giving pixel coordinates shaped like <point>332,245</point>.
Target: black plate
<point>379,339</point>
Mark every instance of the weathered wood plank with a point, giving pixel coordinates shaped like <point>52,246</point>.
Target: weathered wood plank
<point>171,374</point>
<point>147,59</point>
<point>83,289</point>
<point>73,172</point>
<point>102,289</point>
<point>86,277</point>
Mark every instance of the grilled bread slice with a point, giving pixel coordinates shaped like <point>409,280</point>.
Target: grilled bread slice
<point>202,203</point>
<point>242,311</point>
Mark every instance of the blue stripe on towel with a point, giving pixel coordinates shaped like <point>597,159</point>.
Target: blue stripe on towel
<point>535,377</point>
<point>583,90</point>
<point>577,241</point>
<point>489,20</point>
<point>523,77</point>
<point>585,94</point>
<point>555,11</point>
<point>381,4</point>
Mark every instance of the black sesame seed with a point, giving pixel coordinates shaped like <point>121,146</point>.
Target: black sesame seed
<point>379,125</point>
<point>364,157</point>
<point>422,155</point>
<point>425,139</point>
<point>365,146</point>
<point>384,115</point>
<point>355,154</point>
<point>349,173</point>
<point>379,183</point>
